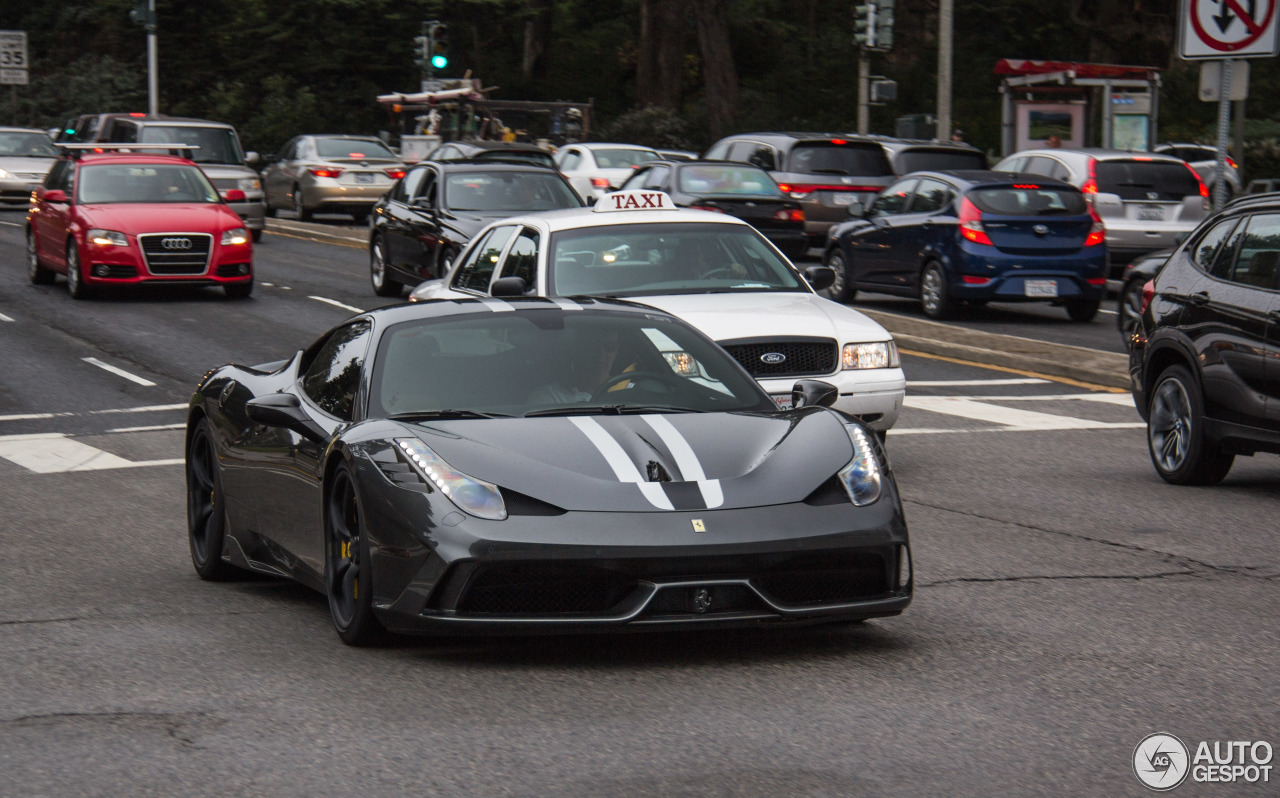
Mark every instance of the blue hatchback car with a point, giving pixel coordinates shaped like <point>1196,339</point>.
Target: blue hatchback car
<point>974,237</point>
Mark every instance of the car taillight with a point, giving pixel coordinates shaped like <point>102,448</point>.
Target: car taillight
<point>971,223</point>
<point>394,174</point>
<point>1098,281</point>
<point>789,215</point>
<point>1098,232</point>
<point>324,172</point>
<point>973,279</point>
<point>1204,190</point>
<point>1148,294</point>
<point>600,182</point>
<point>802,190</point>
<point>1090,186</point>
<point>1231,163</point>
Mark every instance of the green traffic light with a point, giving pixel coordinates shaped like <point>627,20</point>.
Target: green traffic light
<point>439,61</point>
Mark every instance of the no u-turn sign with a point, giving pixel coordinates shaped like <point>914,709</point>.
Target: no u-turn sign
<point>1228,29</point>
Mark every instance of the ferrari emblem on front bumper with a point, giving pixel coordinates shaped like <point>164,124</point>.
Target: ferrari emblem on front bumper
<point>698,526</point>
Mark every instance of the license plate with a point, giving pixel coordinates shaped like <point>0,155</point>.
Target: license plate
<point>1040,288</point>
<point>1150,213</point>
<point>783,402</point>
<point>844,198</point>
<point>363,178</point>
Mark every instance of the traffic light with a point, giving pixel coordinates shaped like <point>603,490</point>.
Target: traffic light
<point>884,24</point>
<point>422,51</point>
<point>864,25</point>
<point>439,45</point>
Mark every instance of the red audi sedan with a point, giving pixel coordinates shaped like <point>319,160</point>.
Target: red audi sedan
<point>116,218</point>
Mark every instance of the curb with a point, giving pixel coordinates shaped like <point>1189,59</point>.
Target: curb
<point>1078,363</point>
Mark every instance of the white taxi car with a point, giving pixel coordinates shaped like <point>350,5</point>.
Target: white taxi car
<point>710,269</point>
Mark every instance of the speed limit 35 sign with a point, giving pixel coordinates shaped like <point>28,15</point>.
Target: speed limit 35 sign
<point>1227,29</point>
<point>13,56</point>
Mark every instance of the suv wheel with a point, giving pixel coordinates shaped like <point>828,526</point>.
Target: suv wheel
<point>1181,451</point>
<point>840,290</point>
<point>1129,319</point>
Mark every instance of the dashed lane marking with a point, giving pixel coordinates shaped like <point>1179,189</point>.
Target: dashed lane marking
<point>148,429</point>
<point>93,361</point>
<point>5,318</point>
<point>71,414</point>
<point>336,304</point>
<point>1010,418</point>
<point>54,452</point>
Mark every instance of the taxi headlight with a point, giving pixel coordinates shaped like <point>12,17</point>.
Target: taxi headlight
<point>682,363</point>
<point>237,236</point>
<point>471,495</point>
<point>248,184</point>
<point>106,238</point>
<point>880,355</point>
<point>861,478</point>
<point>4,175</point>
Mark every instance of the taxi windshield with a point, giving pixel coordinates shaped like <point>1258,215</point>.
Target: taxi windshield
<point>127,183</point>
<point>549,361</point>
<point>667,258</point>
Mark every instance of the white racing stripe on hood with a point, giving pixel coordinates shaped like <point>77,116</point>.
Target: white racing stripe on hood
<point>623,468</point>
<point>686,460</point>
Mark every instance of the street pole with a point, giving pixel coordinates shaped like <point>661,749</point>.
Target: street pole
<point>864,91</point>
<point>153,62</point>
<point>945,24</point>
<point>1224,130</point>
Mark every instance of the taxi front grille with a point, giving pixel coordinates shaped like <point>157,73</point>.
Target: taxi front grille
<point>176,253</point>
<point>786,357</point>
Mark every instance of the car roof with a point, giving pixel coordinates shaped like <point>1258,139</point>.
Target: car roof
<point>1249,200</point>
<point>577,218</point>
<point>484,166</point>
<point>13,129</point>
<point>1099,153</point>
<point>92,158</point>
<point>520,146</point>
<point>897,144</point>
<point>975,177</point>
<point>596,145</point>
<point>181,121</point>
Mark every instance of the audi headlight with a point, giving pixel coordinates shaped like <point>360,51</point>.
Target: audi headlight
<point>237,236</point>
<point>861,478</point>
<point>248,184</point>
<point>107,238</point>
<point>471,495</point>
<point>880,355</point>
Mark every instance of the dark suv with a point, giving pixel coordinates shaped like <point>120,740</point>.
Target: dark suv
<point>1205,364</point>
<point>825,172</point>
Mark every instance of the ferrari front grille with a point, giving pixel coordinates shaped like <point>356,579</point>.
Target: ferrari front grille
<point>785,358</point>
<point>176,253</point>
<point>543,589</point>
<point>826,579</point>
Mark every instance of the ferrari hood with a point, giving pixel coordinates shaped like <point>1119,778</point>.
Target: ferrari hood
<point>648,463</point>
<point>167,217</point>
<point>729,316</point>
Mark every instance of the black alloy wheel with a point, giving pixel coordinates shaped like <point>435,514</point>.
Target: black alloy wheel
<point>839,290</point>
<point>206,513</point>
<point>304,215</point>
<point>1129,319</point>
<point>348,581</point>
<point>1083,309</point>
<point>1181,451</point>
<point>934,295</point>
<point>37,274</point>
<point>383,283</point>
<point>75,273</point>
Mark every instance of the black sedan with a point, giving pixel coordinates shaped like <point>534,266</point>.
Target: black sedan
<point>421,224</point>
<point>540,465</point>
<point>740,190</point>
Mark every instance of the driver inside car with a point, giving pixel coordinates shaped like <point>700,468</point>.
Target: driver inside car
<point>587,366</point>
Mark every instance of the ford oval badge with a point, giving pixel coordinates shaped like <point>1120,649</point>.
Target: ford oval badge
<point>772,358</point>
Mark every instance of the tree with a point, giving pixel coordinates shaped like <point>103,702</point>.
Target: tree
<point>720,78</point>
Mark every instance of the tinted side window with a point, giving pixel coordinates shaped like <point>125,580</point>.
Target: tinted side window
<point>717,151</point>
<point>1011,165</point>
<point>56,174</point>
<point>762,157</point>
<point>1147,180</point>
<point>333,376</point>
<point>475,273</point>
<point>827,158</point>
<point>409,185</point>
<point>931,195</point>
<point>1257,261</point>
<point>1039,165</point>
<point>522,260</point>
<point>656,177</point>
<point>1204,251</point>
<point>571,161</point>
<point>893,199</point>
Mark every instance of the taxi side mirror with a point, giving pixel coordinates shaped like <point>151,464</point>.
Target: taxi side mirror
<point>508,286</point>
<point>54,195</point>
<point>813,393</point>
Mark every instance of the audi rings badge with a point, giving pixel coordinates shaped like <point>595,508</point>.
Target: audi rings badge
<point>176,244</point>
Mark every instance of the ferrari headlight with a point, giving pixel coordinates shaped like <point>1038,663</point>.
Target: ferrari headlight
<point>248,184</point>
<point>880,355</point>
<point>481,499</point>
<point>861,478</point>
<point>237,236</point>
<point>107,238</point>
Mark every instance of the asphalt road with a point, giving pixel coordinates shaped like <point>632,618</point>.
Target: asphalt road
<point>1068,603</point>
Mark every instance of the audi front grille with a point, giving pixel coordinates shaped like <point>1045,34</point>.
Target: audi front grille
<point>176,253</point>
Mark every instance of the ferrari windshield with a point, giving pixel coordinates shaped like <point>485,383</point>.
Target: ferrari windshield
<point>548,361</point>
<point>126,183</point>
<point>669,258</point>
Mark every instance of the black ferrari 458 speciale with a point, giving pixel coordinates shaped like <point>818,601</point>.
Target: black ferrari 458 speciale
<point>540,465</point>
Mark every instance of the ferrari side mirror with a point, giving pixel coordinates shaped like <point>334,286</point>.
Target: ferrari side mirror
<point>813,393</point>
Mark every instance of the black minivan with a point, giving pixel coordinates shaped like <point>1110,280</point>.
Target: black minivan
<point>1205,362</point>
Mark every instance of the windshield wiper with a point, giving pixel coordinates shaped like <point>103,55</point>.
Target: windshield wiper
<point>429,415</point>
<point>575,410</point>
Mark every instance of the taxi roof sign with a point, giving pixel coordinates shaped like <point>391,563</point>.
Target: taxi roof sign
<point>634,200</point>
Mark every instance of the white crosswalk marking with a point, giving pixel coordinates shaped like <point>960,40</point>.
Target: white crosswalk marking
<point>54,452</point>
